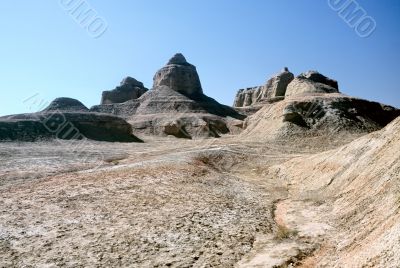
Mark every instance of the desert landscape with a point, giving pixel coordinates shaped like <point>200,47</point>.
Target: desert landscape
<point>294,174</point>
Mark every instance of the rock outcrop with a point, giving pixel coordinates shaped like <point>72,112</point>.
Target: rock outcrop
<point>273,90</point>
<point>129,89</point>
<point>247,96</point>
<point>66,105</point>
<point>177,106</point>
<point>277,85</point>
<point>329,115</point>
<point>163,109</point>
<point>179,75</point>
<point>66,119</point>
<point>311,82</point>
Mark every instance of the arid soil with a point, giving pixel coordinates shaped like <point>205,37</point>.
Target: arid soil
<point>225,202</point>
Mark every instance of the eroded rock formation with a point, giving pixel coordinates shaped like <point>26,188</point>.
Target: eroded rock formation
<point>311,82</point>
<point>129,89</point>
<point>177,106</point>
<point>329,115</point>
<point>179,75</point>
<point>273,90</point>
<point>66,119</point>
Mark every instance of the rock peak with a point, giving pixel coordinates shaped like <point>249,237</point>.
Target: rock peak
<point>179,75</point>
<point>129,89</point>
<point>131,81</point>
<point>178,59</point>
<point>66,104</point>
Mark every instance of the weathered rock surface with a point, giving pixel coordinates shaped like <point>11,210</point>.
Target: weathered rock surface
<point>358,185</point>
<point>277,85</point>
<point>273,90</point>
<point>129,89</point>
<point>311,82</point>
<point>162,110</point>
<point>66,105</point>
<point>65,119</point>
<point>318,115</point>
<point>177,106</point>
<point>179,75</point>
<point>247,96</point>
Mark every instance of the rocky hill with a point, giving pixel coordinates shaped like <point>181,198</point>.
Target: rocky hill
<point>309,105</point>
<point>66,119</point>
<point>177,106</point>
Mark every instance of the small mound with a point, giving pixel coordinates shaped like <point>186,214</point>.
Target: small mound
<point>66,104</point>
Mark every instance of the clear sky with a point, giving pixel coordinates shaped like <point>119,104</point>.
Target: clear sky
<point>233,43</point>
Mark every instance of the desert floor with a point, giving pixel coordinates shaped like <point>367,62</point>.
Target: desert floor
<point>162,203</point>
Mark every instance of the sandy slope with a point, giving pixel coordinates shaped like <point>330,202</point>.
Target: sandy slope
<point>351,198</point>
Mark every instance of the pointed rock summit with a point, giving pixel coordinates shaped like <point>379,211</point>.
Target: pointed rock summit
<point>178,59</point>
<point>179,75</point>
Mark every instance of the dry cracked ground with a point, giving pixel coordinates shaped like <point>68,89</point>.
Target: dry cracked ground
<point>202,203</point>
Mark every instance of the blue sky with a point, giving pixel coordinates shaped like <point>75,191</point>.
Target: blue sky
<point>233,43</point>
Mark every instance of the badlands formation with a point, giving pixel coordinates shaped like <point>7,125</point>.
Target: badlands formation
<point>295,174</point>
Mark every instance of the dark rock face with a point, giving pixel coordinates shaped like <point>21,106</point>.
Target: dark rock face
<point>340,114</point>
<point>273,90</point>
<point>179,75</point>
<point>66,104</point>
<point>319,78</point>
<point>311,82</point>
<point>66,119</point>
<point>291,114</point>
<point>129,89</point>
<point>66,126</point>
